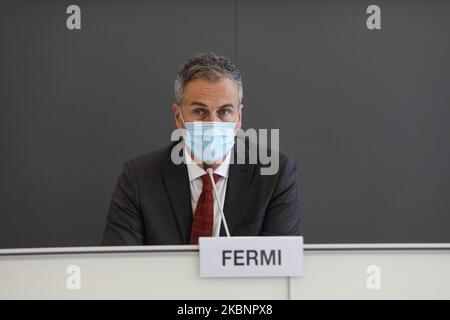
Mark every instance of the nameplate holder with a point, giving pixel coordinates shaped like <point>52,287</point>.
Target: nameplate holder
<point>223,257</point>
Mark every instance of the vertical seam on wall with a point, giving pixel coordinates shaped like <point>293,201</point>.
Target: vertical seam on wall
<point>236,33</point>
<point>289,288</point>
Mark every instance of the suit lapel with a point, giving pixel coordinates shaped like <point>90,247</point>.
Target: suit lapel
<point>177,183</point>
<point>239,178</point>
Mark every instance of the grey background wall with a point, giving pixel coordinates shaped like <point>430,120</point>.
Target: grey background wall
<point>364,112</point>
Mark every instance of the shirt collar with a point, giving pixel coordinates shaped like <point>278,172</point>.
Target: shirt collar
<point>195,171</point>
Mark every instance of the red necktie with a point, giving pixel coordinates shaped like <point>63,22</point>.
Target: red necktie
<point>202,224</point>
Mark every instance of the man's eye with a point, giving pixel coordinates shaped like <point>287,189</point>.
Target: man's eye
<point>224,112</point>
<point>199,112</point>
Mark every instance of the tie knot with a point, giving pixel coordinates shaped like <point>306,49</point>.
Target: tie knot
<point>207,186</point>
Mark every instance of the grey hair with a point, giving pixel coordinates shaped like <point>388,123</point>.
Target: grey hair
<point>208,66</point>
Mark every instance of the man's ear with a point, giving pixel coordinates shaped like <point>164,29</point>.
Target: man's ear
<point>239,123</point>
<point>176,109</point>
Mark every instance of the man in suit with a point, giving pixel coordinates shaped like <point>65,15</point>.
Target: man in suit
<point>160,202</point>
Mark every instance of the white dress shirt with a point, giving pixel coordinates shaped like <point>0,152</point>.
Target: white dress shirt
<point>196,184</point>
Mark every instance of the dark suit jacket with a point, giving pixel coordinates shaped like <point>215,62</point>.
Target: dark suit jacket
<point>151,203</point>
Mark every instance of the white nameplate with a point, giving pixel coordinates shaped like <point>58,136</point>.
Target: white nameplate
<point>251,257</point>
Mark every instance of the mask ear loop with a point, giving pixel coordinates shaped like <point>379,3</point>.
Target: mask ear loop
<point>182,120</point>
<point>190,160</point>
<point>235,125</point>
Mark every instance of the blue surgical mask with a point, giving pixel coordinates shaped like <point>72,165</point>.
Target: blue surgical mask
<point>209,141</point>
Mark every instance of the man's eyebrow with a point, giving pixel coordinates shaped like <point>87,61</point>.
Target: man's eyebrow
<point>226,106</point>
<point>198,104</point>
<point>201,104</point>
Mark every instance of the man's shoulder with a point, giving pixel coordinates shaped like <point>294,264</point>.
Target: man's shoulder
<point>152,161</point>
<point>267,157</point>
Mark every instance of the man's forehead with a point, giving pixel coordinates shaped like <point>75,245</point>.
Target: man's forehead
<point>200,90</point>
